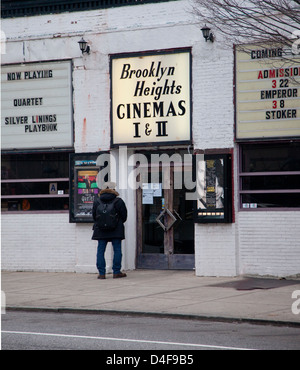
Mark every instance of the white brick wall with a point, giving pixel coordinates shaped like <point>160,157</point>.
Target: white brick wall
<point>48,242</point>
<point>215,251</point>
<point>213,110</point>
<point>37,242</point>
<point>269,243</point>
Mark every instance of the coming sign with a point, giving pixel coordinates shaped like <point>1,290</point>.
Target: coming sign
<point>267,94</point>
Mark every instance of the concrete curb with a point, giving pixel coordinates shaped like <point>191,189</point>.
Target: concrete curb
<point>157,315</point>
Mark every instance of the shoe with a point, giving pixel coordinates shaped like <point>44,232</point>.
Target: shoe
<point>101,277</point>
<point>120,275</point>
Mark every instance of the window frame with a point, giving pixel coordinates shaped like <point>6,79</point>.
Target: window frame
<point>242,174</point>
<point>49,180</point>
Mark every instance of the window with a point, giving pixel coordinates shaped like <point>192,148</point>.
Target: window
<point>269,176</point>
<point>35,182</point>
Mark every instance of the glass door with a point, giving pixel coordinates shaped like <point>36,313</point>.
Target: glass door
<point>165,230</point>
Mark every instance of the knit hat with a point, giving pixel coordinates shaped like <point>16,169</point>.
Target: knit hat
<point>109,185</point>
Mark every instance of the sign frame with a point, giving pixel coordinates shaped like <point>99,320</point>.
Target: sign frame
<point>272,57</point>
<point>45,118</point>
<point>154,53</point>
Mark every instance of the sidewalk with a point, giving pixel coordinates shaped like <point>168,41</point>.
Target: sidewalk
<point>174,293</point>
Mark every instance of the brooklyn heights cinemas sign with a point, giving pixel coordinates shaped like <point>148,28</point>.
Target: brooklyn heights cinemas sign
<point>267,94</point>
<point>151,98</point>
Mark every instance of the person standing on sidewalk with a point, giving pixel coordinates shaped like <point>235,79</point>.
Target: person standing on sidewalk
<point>107,195</point>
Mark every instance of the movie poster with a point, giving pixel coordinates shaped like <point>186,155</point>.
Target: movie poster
<point>83,186</point>
<point>211,186</point>
<point>86,190</point>
<point>214,198</point>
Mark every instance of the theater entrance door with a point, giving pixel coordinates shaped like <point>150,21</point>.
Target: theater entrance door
<point>165,226</point>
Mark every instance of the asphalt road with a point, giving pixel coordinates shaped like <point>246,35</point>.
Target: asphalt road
<point>61,331</point>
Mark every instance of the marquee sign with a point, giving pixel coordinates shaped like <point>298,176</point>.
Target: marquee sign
<point>267,94</point>
<point>36,104</point>
<point>151,100</point>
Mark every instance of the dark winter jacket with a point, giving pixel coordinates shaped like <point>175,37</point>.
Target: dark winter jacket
<point>108,195</point>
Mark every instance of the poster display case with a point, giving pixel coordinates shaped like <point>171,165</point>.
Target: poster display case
<point>84,169</point>
<point>214,190</point>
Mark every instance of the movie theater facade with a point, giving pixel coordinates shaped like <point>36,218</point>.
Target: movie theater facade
<point>202,141</point>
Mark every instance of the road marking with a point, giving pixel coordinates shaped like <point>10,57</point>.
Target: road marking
<point>123,340</point>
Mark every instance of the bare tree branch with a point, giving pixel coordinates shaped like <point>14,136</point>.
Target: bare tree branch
<point>251,21</point>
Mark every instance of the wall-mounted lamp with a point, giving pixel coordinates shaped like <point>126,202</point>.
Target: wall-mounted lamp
<point>84,46</point>
<point>207,34</point>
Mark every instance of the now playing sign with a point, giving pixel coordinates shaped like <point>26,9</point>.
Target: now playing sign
<point>151,98</point>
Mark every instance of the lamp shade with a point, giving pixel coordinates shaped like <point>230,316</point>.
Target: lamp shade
<point>82,45</point>
<point>206,32</point>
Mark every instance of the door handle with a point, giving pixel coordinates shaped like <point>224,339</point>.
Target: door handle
<point>174,219</point>
<point>178,216</point>
<point>159,221</point>
<point>170,214</point>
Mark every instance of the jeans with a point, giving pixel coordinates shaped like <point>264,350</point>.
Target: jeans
<point>101,265</point>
